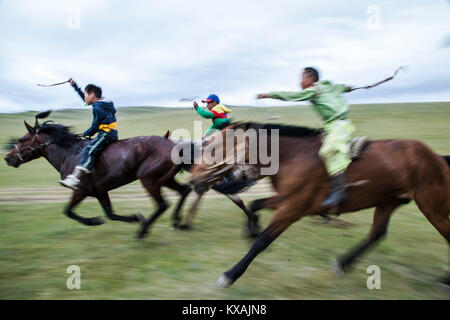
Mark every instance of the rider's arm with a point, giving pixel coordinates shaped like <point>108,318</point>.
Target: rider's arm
<point>303,95</point>
<point>343,88</point>
<point>95,123</point>
<point>77,89</point>
<point>204,113</point>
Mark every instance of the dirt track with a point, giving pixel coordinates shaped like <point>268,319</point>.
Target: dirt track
<point>126,193</point>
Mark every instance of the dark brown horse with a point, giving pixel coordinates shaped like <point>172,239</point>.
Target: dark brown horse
<point>146,158</point>
<point>389,173</point>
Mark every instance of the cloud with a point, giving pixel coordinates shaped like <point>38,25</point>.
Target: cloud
<point>156,53</point>
<point>446,41</point>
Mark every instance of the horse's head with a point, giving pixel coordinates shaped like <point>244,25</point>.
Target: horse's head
<point>31,146</point>
<point>225,152</point>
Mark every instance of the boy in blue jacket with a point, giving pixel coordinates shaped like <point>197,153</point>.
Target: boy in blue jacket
<point>104,123</point>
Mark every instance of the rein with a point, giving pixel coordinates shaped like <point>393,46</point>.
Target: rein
<point>21,154</point>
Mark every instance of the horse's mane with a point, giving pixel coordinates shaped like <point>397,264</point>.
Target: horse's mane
<point>284,130</point>
<point>61,135</point>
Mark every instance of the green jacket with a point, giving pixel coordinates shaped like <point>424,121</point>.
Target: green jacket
<point>325,96</point>
<point>218,115</point>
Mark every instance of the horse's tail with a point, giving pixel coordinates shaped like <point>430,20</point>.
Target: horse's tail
<point>447,158</point>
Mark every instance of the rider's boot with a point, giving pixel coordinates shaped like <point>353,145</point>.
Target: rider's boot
<point>338,191</point>
<point>72,181</point>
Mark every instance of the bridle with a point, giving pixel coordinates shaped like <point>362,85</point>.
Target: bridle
<point>21,153</point>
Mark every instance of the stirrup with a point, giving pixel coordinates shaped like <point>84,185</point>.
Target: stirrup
<point>70,182</point>
<point>333,199</point>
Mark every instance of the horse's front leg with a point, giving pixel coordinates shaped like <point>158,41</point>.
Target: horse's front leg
<point>184,191</point>
<point>191,214</point>
<point>105,202</point>
<point>280,222</point>
<point>253,227</point>
<point>77,197</point>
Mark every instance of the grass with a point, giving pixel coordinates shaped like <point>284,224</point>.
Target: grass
<point>38,243</point>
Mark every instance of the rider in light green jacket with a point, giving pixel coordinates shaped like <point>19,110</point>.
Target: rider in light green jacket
<point>327,101</point>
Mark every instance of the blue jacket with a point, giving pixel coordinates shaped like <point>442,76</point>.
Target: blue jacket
<point>103,111</point>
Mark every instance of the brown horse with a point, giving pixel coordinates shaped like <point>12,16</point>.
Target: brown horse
<point>229,186</point>
<point>389,174</point>
<point>146,158</point>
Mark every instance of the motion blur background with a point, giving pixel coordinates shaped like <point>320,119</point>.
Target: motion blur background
<point>149,55</point>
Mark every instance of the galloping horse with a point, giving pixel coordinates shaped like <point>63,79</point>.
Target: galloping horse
<point>388,174</point>
<point>146,158</point>
<point>229,187</point>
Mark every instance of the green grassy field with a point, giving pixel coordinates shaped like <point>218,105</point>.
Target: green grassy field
<point>38,243</point>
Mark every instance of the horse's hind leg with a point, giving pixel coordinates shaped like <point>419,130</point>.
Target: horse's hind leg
<point>77,197</point>
<point>265,203</point>
<point>253,227</point>
<point>378,230</point>
<point>436,207</point>
<point>105,202</point>
<point>184,191</point>
<point>154,190</point>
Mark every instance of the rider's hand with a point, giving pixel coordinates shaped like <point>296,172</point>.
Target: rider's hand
<point>195,105</point>
<point>72,82</point>
<point>262,96</point>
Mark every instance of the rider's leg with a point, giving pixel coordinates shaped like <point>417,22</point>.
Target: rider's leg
<point>86,162</point>
<point>334,152</point>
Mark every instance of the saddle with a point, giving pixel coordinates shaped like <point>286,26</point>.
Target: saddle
<point>357,146</point>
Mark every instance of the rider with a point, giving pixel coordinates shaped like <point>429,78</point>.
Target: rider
<point>217,112</point>
<point>104,122</point>
<point>327,101</point>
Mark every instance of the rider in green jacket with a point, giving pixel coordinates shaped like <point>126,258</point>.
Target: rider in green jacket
<point>332,108</point>
<point>216,111</point>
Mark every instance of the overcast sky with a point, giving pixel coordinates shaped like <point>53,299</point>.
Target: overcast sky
<point>158,52</point>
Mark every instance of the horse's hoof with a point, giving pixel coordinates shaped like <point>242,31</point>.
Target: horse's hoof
<point>185,227</point>
<point>141,235</point>
<point>175,226</point>
<point>444,285</point>
<point>96,221</point>
<point>253,231</point>
<point>337,267</point>
<point>224,281</point>
<point>249,233</point>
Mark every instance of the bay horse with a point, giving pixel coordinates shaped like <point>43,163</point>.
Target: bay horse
<point>146,158</point>
<point>389,173</point>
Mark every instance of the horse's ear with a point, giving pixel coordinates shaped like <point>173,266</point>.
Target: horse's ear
<point>29,128</point>
<point>167,135</point>
<point>41,115</point>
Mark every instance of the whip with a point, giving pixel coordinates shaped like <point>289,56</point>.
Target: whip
<point>54,84</point>
<point>382,81</point>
